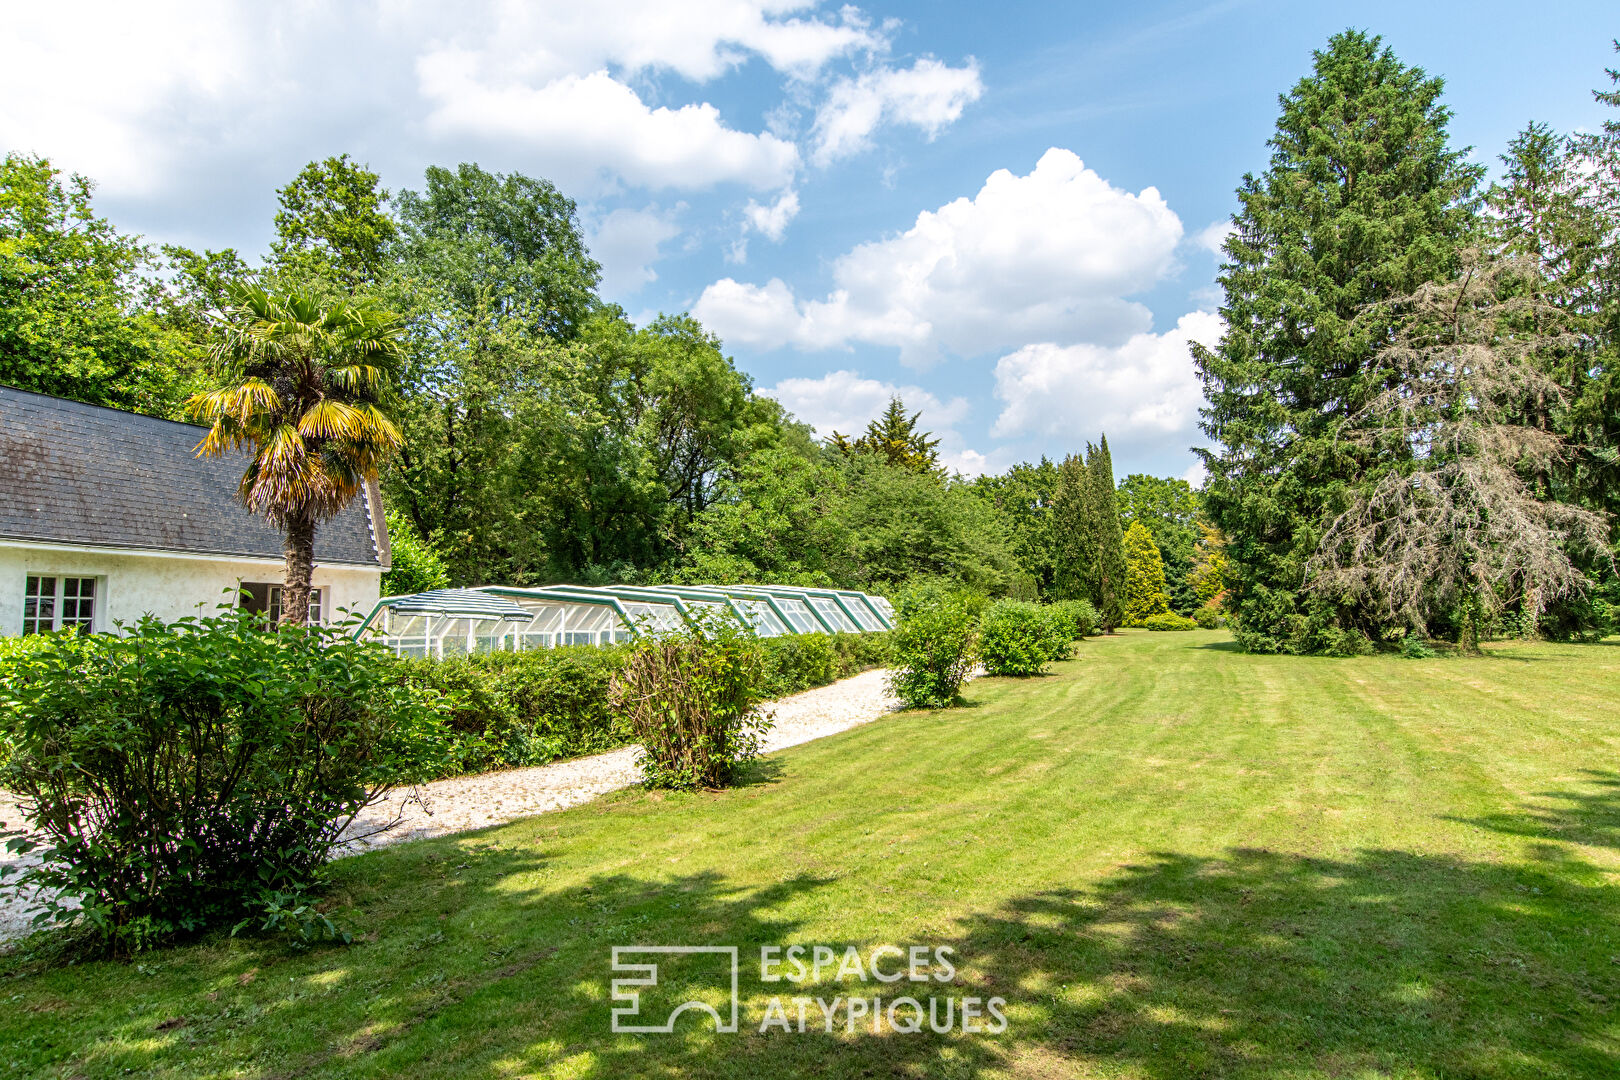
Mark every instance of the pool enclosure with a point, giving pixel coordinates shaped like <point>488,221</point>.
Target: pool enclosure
<point>500,618</point>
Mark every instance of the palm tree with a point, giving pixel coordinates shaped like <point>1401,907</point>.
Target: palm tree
<point>304,386</point>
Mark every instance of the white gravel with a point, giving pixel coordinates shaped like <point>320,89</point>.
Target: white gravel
<point>474,802</point>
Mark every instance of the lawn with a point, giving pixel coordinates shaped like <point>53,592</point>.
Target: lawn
<point>1170,858</point>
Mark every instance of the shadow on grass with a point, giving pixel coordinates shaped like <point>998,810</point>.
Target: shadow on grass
<point>1590,816</point>
<point>1249,964</point>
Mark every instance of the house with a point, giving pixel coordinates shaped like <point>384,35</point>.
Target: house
<point>106,516</point>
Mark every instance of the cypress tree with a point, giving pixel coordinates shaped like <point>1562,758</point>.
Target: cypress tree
<point>1071,532</point>
<point>1363,200</point>
<point>1107,538</point>
<point>1145,593</point>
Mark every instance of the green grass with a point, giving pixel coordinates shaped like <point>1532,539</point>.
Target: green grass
<point>1170,858</point>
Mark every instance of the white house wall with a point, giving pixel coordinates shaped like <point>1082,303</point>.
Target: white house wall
<point>132,584</point>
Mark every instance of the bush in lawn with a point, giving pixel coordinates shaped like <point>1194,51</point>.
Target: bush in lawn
<point>690,700</point>
<point>191,774</point>
<point>1077,617</point>
<point>1168,621</point>
<point>1207,617</point>
<point>1015,638</point>
<point>933,648</point>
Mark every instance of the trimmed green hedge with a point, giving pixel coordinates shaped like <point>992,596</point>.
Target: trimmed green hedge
<point>1167,622</point>
<point>528,708</point>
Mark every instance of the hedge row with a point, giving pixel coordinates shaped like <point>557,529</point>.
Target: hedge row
<point>528,708</point>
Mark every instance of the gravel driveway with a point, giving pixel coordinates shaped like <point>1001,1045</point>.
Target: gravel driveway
<point>473,802</point>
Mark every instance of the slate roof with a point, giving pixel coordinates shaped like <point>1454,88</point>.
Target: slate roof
<point>72,473</point>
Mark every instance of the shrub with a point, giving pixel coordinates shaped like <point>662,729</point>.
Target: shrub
<point>512,709</point>
<point>1078,617</point>
<point>933,649</point>
<point>188,774</point>
<point>798,661</point>
<point>1168,621</point>
<point>1207,617</point>
<point>1015,638</point>
<point>1413,647</point>
<point>690,700</point>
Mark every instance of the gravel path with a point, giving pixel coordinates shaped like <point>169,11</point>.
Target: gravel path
<point>474,802</point>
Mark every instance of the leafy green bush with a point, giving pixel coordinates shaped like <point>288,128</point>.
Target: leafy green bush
<point>690,700</point>
<point>1207,617</point>
<point>1015,638</point>
<point>1168,621</point>
<point>1078,617</point>
<point>933,649</point>
<point>188,774</point>
<point>1413,647</point>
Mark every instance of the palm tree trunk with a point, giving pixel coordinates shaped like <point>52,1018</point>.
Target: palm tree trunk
<point>299,548</point>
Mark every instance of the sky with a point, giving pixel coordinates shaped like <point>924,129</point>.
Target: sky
<point>1008,214</point>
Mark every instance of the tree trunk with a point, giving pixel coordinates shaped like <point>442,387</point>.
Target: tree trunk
<point>299,548</point>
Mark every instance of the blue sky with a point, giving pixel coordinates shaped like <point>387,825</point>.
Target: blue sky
<point>1005,212</point>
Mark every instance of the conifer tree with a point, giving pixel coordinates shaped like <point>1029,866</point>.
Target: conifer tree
<point>1071,531</point>
<point>1364,200</point>
<point>894,437</point>
<point>1106,538</point>
<point>1145,593</point>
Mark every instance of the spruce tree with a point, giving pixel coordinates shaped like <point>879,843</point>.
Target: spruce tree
<point>1145,593</point>
<point>1364,200</point>
<point>894,437</point>
<point>1107,538</point>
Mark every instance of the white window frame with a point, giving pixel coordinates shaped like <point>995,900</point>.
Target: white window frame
<point>317,605</point>
<point>59,598</point>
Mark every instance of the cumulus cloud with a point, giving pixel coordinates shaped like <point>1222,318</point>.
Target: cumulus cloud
<point>845,401</point>
<point>929,96</point>
<point>596,126</point>
<point>1212,237</point>
<point>772,220</point>
<point>1049,256</point>
<point>1138,392</point>
<point>626,243</point>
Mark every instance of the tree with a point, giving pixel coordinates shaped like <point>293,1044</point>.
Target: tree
<point>895,438</point>
<point>303,386</point>
<point>1145,593</point>
<point>72,318</point>
<point>334,224</point>
<point>1364,200</point>
<point>1455,529</point>
<point>416,565</point>
<point>1208,575</point>
<point>1073,532</point>
<point>1023,498</point>
<point>1107,575</point>
<point>1168,508</point>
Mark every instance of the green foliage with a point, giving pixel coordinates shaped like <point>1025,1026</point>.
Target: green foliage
<point>1168,508</point>
<point>1168,620</point>
<point>691,701</point>
<point>524,708</point>
<point>1363,200</point>
<point>1145,594</point>
<point>1088,542</point>
<point>1023,499</point>
<point>1079,617</point>
<point>1020,638</point>
<point>416,565</point>
<point>184,775</point>
<point>1413,647</point>
<point>73,317</point>
<point>798,662</point>
<point>894,438</point>
<point>334,224</point>
<point>1208,617</point>
<point>934,647</point>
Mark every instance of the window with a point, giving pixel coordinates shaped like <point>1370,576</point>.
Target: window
<point>59,603</point>
<point>266,598</point>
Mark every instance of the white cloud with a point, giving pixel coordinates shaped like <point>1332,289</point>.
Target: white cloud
<point>772,220</point>
<point>929,96</point>
<point>1212,237</point>
<point>1195,475</point>
<point>593,127</point>
<point>626,243</point>
<point>1049,256</point>
<point>845,401</point>
<point>1138,392</point>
